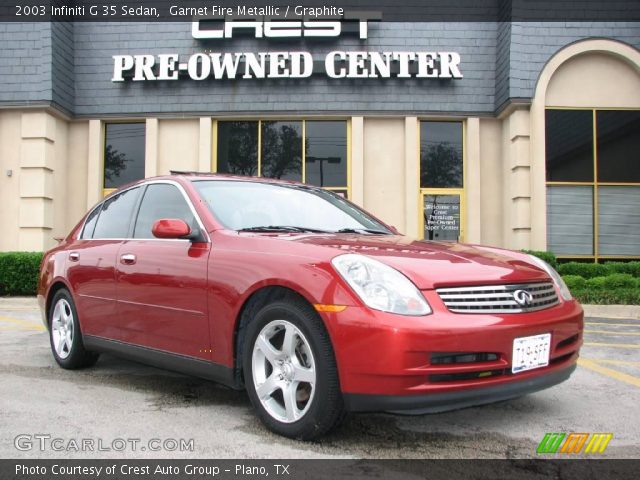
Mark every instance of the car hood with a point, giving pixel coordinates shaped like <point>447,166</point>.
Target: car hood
<point>435,264</point>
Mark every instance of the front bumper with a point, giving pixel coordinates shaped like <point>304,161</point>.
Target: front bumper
<point>390,362</point>
<point>446,401</point>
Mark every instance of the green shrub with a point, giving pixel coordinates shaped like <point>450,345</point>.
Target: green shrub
<point>574,282</point>
<point>596,283</point>
<point>619,280</point>
<point>620,296</point>
<point>19,272</point>
<point>584,270</point>
<point>632,268</point>
<point>548,257</point>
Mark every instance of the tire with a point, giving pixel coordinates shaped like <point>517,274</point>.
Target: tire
<point>65,336</point>
<point>295,371</point>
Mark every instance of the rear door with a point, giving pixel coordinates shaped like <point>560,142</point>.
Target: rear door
<point>91,263</point>
<point>162,284</point>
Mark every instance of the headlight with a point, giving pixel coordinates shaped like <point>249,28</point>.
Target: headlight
<point>557,279</point>
<point>380,286</point>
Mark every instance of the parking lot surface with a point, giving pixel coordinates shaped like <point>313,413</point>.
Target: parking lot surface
<point>153,410</point>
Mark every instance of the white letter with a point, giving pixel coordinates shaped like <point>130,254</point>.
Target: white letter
<point>144,65</point>
<point>251,64</point>
<point>299,59</point>
<point>403,58</point>
<point>121,63</point>
<point>382,67</point>
<point>197,33</point>
<point>167,69</point>
<point>426,67</point>
<point>205,66</point>
<point>449,62</point>
<point>322,29</point>
<point>278,65</point>
<point>229,64</point>
<point>283,29</point>
<point>330,67</point>
<point>357,68</point>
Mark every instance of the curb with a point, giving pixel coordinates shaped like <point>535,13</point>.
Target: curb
<point>599,311</point>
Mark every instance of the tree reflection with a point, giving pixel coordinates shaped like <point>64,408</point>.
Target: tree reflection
<point>441,166</point>
<point>282,150</point>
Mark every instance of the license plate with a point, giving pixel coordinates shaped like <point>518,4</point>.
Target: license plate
<point>530,352</point>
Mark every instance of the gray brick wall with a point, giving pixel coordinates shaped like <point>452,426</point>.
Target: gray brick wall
<point>62,64</point>
<point>96,94</point>
<point>25,67</point>
<point>533,44</point>
<point>71,65</point>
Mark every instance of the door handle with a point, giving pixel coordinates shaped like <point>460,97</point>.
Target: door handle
<point>128,259</point>
<point>74,256</point>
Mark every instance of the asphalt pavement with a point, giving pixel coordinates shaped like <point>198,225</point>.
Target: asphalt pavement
<point>120,409</point>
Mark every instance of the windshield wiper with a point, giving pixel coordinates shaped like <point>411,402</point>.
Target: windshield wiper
<point>363,230</point>
<point>281,228</point>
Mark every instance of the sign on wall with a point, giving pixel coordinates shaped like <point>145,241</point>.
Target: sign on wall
<point>284,64</point>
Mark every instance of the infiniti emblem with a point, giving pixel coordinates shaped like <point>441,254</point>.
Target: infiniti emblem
<point>523,298</point>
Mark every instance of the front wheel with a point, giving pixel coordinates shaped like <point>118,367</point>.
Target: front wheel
<point>290,371</point>
<point>65,335</point>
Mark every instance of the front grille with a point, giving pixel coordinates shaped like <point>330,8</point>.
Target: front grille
<point>499,298</point>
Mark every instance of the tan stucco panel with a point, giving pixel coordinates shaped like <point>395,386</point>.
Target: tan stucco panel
<point>595,80</point>
<point>178,145</point>
<point>10,128</point>
<point>384,169</point>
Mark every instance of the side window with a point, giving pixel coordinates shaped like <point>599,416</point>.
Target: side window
<point>90,223</point>
<point>161,200</point>
<point>115,216</point>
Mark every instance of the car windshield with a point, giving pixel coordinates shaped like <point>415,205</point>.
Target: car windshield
<point>261,206</point>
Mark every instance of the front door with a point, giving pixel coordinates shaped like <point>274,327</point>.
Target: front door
<point>162,284</point>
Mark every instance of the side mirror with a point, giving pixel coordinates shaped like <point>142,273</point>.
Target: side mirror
<point>170,228</point>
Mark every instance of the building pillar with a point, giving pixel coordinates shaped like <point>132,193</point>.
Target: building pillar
<point>357,160</point>
<point>412,176</point>
<point>206,144</point>
<point>151,148</point>
<point>473,182</point>
<point>95,163</point>
<point>517,177</point>
<point>37,165</point>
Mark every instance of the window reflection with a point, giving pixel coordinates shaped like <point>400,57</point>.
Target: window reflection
<point>441,154</point>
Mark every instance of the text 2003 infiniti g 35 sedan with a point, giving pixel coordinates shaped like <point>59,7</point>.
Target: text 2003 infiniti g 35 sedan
<point>314,306</point>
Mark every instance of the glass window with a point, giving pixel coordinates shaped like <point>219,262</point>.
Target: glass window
<point>619,220</point>
<point>238,148</point>
<point>115,216</point>
<point>90,223</point>
<point>161,200</point>
<point>570,219</point>
<point>569,147</point>
<point>441,155</point>
<point>124,153</point>
<point>442,217</point>
<point>326,153</point>
<point>282,150</point>
<point>618,146</point>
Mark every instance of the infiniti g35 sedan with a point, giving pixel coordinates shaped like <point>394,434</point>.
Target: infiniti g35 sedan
<point>312,305</point>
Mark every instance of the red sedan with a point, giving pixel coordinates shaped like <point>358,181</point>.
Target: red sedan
<point>314,306</point>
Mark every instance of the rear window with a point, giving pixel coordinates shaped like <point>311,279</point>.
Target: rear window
<point>115,215</point>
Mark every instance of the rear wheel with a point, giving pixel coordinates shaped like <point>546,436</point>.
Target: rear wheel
<point>290,371</point>
<point>65,335</point>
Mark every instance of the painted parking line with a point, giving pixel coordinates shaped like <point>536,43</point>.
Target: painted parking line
<point>612,345</point>
<point>609,332</point>
<point>632,325</point>
<point>608,372</point>
<point>23,323</point>
<point>629,363</point>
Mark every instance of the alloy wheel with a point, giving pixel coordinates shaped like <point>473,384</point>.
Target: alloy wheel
<point>62,328</point>
<point>284,372</point>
